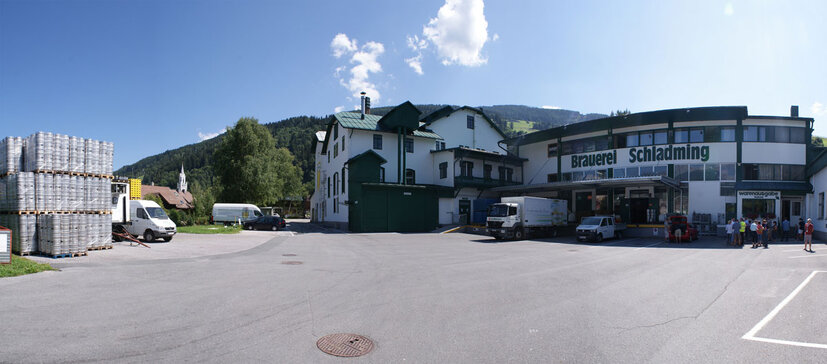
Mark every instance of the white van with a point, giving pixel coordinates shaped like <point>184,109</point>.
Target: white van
<point>150,221</point>
<point>230,213</point>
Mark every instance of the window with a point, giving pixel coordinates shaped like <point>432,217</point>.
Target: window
<point>335,150</point>
<point>632,140</point>
<point>796,173</point>
<point>343,179</point>
<point>567,176</point>
<point>142,214</point>
<point>328,187</point>
<point>343,144</point>
<point>436,147</point>
<point>696,135</point>
<point>646,171</point>
<point>328,157</point>
<point>633,172</point>
<point>712,171</point>
<point>443,170</point>
<point>750,133</point>
<point>782,135</point>
<point>441,145</point>
<point>551,177</point>
<point>821,206</point>
<point>619,173</point>
<point>335,205</point>
<point>798,135</point>
<point>377,141</point>
<point>696,172</point>
<point>335,183</point>
<point>469,121</point>
<point>661,171</point>
<point>382,174</point>
<point>727,189</point>
<point>646,138</point>
<point>728,134</point>
<point>727,171</point>
<point>409,144</point>
<point>660,137</point>
<point>410,176</point>
<point>335,131</point>
<point>466,169</point>
<point>682,172</point>
<point>486,171</point>
<point>506,174</point>
<point>681,136</point>
<point>552,150</point>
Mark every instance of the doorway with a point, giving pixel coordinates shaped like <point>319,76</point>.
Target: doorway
<point>583,204</point>
<point>464,212</point>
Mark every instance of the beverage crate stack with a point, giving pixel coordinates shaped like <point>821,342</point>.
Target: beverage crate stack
<point>55,193</point>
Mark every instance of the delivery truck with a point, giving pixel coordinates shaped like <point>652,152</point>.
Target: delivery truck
<point>518,217</point>
<point>138,218</point>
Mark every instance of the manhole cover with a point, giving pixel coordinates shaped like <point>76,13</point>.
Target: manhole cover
<point>288,255</point>
<point>348,345</point>
<point>291,262</point>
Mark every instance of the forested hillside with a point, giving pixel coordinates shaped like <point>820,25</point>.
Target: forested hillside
<point>297,135</point>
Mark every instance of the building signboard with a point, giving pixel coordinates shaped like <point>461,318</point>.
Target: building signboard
<point>651,155</point>
<point>759,195</point>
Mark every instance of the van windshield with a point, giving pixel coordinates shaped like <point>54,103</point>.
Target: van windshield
<point>156,213</point>
<point>591,221</point>
<point>501,211</point>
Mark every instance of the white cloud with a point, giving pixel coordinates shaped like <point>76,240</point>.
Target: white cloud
<point>342,45</point>
<point>728,9</point>
<point>364,60</point>
<point>818,109</point>
<point>459,32</point>
<point>338,109</point>
<point>417,44</point>
<point>415,63</point>
<point>551,107</point>
<point>495,37</point>
<point>202,137</point>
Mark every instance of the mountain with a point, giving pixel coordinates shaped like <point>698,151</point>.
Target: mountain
<point>297,135</point>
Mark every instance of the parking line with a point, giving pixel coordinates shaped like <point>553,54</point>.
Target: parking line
<point>650,245</point>
<point>792,250</point>
<point>750,335</point>
<point>809,256</point>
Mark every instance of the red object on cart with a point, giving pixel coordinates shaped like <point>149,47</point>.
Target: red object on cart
<point>687,231</point>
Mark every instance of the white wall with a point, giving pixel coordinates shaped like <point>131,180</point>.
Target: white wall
<point>705,198</point>
<point>539,165</point>
<point>773,153</point>
<point>777,122</point>
<point>446,156</point>
<point>455,131</point>
<point>819,181</point>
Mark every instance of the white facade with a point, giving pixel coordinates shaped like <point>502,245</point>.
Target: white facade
<point>454,128</point>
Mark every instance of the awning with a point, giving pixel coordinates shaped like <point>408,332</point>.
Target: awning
<point>597,183</point>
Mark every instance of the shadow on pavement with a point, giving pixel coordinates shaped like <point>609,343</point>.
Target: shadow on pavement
<point>704,242</point>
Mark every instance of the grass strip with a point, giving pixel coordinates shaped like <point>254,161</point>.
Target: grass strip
<point>209,229</point>
<point>20,266</point>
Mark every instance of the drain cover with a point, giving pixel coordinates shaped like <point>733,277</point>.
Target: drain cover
<point>348,345</point>
<point>288,255</point>
<point>291,262</point>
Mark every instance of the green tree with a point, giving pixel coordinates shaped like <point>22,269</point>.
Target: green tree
<point>620,113</point>
<point>250,169</point>
<point>818,142</point>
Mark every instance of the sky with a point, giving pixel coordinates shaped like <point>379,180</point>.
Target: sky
<point>156,75</point>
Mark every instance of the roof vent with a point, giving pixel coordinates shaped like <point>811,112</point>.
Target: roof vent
<point>794,111</point>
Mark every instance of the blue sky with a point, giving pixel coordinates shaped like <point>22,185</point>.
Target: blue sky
<point>155,75</point>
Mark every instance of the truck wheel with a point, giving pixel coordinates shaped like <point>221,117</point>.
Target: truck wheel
<point>168,239</point>
<point>149,236</point>
<point>599,238</point>
<point>518,234</point>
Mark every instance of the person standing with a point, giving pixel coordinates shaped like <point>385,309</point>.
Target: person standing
<point>759,231</point>
<point>785,230</point>
<point>743,231</point>
<point>800,235</point>
<point>753,232</point>
<point>729,233</point>
<point>767,234</point>
<point>808,235</point>
<point>736,235</point>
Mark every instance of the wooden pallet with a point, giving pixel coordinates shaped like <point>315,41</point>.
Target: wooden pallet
<point>20,213</point>
<point>24,254</point>
<point>102,247</point>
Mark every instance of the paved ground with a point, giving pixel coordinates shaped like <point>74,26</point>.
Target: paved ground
<point>424,298</point>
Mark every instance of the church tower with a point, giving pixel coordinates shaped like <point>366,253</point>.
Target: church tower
<point>182,180</point>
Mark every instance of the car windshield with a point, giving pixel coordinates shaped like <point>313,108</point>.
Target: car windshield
<point>156,213</point>
<point>498,211</point>
<point>591,221</point>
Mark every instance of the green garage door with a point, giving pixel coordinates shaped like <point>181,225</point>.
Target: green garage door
<point>395,208</point>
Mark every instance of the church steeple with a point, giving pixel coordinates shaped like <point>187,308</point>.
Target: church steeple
<point>182,180</point>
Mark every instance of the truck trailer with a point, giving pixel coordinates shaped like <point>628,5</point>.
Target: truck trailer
<point>518,217</point>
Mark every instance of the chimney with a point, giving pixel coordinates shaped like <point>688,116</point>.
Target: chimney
<point>794,111</point>
<point>363,104</point>
<point>367,105</point>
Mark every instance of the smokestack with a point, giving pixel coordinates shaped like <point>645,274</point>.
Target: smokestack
<point>363,104</point>
<point>794,111</point>
<point>367,105</point>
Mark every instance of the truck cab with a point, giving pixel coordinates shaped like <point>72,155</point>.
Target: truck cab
<point>502,218</point>
<point>150,221</point>
<point>597,228</point>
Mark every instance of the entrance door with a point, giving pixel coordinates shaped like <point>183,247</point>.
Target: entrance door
<point>785,210</point>
<point>639,206</point>
<point>583,205</point>
<point>464,212</point>
<point>791,209</point>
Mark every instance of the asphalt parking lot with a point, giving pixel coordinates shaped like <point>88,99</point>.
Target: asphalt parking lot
<point>423,298</point>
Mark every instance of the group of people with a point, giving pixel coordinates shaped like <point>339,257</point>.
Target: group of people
<point>762,232</point>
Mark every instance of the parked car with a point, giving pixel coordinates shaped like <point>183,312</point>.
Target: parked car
<point>265,223</point>
<point>688,232</point>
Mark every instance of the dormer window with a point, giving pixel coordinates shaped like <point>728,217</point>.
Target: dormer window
<point>469,120</point>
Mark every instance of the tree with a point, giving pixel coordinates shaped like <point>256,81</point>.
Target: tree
<point>620,113</point>
<point>250,169</point>
<point>818,142</point>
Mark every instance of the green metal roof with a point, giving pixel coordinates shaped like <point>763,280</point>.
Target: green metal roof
<point>353,120</point>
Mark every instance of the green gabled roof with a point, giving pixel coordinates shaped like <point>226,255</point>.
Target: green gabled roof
<point>353,120</point>
<point>367,154</point>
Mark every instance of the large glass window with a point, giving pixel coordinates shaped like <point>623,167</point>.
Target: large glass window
<point>712,172</point>
<point>577,176</point>
<point>796,173</point>
<point>660,137</point>
<point>632,140</point>
<point>696,172</point>
<point>750,133</point>
<point>782,135</point>
<point>798,135</point>
<point>377,141</point>
<point>486,171</point>
<point>681,136</point>
<point>633,172</point>
<point>466,169</point>
<point>728,134</point>
<point>727,171</point>
<point>647,138</point>
<point>647,171</point>
<point>443,170</point>
<point>619,173</point>
<point>682,172</point>
<point>506,174</point>
<point>661,171</point>
<point>696,135</point>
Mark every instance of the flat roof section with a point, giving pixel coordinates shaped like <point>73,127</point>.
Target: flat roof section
<point>609,182</point>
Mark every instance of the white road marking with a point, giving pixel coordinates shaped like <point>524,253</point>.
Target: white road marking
<point>793,250</point>
<point>650,245</point>
<point>809,256</point>
<point>750,335</point>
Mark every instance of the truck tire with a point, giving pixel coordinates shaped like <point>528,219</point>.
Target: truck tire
<point>599,237</point>
<point>519,234</point>
<point>149,236</point>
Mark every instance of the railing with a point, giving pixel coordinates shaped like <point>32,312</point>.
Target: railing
<point>462,181</point>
